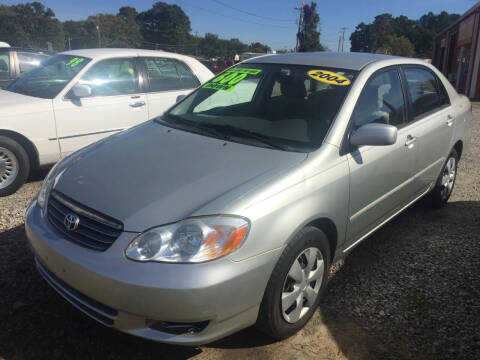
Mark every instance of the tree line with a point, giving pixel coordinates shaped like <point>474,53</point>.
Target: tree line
<point>400,35</point>
<point>164,27</point>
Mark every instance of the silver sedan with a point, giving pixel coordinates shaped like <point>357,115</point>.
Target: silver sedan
<point>229,209</point>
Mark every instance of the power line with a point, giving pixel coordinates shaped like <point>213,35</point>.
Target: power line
<point>249,13</point>
<point>232,17</point>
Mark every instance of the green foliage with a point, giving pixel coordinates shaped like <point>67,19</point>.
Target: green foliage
<point>30,25</point>
<point>309,35</point>
<point>397,45</point>
<point>387,33</point>
<point>164,24</point>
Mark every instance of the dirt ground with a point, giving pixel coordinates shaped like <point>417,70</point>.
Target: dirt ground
<point>410,291</point>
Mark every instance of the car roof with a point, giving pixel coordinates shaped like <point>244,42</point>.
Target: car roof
<point>111,52</point>
<point>351,61</point>
<point>17,48</point>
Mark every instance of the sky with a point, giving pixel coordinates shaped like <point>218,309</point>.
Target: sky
<point>272,22</point>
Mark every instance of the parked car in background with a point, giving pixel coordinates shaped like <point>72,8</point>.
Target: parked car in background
<point>221,65</point>
<point>229,209</point>
<point>16,61</point>
<point>78,97</point>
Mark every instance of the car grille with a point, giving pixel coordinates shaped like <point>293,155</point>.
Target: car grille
<point>95,231</point>
<point>96,310</point>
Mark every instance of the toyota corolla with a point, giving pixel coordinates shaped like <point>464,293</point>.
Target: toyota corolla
<point>229,209</point>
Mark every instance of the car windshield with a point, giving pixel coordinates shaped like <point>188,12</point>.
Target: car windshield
<point>50,78</point>
<point>288,107</point>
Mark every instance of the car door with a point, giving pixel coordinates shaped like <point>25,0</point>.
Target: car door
<point>433,116</point>
<point>166,78</point>
<point>380,176</point>
<point>117,102</point>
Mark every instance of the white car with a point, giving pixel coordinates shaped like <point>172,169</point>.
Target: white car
<point>78,97</point>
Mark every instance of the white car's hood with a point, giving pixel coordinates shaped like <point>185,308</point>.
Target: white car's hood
<point>16,104</point>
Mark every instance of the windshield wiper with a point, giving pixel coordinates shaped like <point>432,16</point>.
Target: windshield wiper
<point>244,133</point>
<point>199,128</point>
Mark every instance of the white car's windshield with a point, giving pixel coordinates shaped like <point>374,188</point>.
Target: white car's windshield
<point>50,78</point>
<point>290,107</point>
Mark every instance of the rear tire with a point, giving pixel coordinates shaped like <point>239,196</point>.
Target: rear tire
<point>14,166</point>
<point>296,284</point>
<point>446,181</point>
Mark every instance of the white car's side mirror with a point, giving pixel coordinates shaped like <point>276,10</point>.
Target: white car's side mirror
<point>81,91</point>
<point>180,97</point>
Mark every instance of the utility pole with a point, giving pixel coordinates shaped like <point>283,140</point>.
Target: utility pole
<point>343,29</point>
<point>300,25</point>
<point>98,32</point>
<point>69,42</point>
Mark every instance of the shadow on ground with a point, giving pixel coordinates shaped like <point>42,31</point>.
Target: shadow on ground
<point>389,274</point>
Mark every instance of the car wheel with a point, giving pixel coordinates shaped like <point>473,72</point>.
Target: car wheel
<point>14,166</point>
<point>296,284</point>
<point>446,181</point>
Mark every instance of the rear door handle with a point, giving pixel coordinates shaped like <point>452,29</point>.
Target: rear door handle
<point>449,120</point>
<point>410,140</point>
<point>137,104</point>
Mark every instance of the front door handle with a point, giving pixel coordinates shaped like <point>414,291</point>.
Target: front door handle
<point>137,104</point>
<point>410,140</point>
<point>449,120</point>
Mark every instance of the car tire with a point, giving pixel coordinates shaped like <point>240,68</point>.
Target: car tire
<point>446,181</point>
<point>14,166</point>
<point>276,318</point>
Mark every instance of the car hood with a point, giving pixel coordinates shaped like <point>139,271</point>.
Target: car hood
<point>153,175</point>
<point>14,104</point>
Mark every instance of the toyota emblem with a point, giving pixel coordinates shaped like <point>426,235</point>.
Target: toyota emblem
<point>71,222</point>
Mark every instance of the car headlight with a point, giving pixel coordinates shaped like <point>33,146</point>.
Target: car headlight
<point>190,241</point>
<point>47,186</point>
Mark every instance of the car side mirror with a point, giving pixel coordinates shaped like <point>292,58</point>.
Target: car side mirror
<point>374,134</point>
<point>81,91</point>
<point>180,97</point>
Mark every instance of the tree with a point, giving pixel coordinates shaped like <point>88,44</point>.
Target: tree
<point>397,45</point>
<point>164,24</point>
<point>128,13</point>
<point>31,25</point>
<point>257,47</point>
<point>360,38</point>
<point>309,35</point>
<point>114,31</point>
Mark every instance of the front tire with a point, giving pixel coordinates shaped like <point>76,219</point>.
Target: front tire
<point>14,166</point>
<point>446,181</point>
<point>296,284</point>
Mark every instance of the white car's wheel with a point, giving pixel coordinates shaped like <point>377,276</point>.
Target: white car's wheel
<point>14,166</point>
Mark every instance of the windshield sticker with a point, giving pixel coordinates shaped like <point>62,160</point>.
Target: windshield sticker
<point>329,77</point>
<point>75,61</point>
<point>231,77</point>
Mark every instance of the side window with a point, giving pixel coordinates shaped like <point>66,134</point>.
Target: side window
<point>163,74</point>
<point>4,66</point>
<point>381,101</point>
<point>187,78</point>
<point>28,61</point>
<point>112,77</point>
<point>424,93</point>
<point>444,98</point>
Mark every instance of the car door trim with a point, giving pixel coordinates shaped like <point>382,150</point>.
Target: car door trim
<point>86,134</point>
<point>391,192</point>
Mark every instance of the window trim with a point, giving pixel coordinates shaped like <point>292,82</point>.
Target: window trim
<point>412,118</point>
<point>73,82</point>
<point>147,77</point>
<point>346,147</point>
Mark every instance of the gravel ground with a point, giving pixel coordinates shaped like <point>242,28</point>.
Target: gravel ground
<point>412,290</point>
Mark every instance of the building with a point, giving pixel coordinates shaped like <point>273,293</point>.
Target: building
<point>456,53</point>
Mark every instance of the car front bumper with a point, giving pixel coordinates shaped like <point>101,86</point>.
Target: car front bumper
<point>217,298</point>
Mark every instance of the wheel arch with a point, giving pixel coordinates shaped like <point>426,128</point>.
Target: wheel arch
<point>458,148</point>
<point>330,229</point>
<point>29,147</point>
